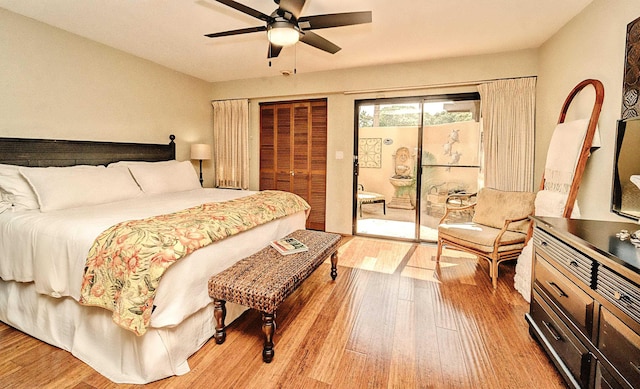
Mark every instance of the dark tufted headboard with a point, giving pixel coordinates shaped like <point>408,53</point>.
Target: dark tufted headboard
<point>50,152</point>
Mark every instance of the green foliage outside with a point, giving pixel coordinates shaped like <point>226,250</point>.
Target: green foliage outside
<point>388,116</point>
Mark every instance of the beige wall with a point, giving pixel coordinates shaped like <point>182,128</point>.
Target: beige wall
<point>54,84</point>
<point>342,88</point>
<point>590,46</point>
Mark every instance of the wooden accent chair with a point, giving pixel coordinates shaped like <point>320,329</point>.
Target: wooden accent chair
<point>498,230</point>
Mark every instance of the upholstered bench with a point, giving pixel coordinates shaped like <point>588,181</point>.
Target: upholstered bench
<point>263,280</point>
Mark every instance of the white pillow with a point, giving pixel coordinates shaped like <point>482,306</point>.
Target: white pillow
<point>77,186</point>
<point>129,163</point>
<point>15,191</point>
<point>165,177</point>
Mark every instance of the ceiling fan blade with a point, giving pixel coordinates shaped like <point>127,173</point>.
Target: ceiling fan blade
<point>315,40</point>
<point>237,32</point>
<point>335,20</point>
<point>274,50</point>
<point>247,10</point>
<point>294,7</point>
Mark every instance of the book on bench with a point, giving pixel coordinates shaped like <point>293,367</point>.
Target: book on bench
<point>288,245</point>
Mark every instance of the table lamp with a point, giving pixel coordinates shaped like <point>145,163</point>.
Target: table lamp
<point>200,151</point>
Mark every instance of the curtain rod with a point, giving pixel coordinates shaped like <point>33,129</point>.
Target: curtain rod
<point>217,100</point>
<point>391,89</point>
<point>430,86</point>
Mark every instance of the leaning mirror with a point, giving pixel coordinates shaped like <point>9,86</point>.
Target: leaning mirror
<point>625,199</point>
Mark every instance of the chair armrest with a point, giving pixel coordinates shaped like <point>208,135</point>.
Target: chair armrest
<point>509,221</point>
<point>448,207</point>
<point>504,228</point>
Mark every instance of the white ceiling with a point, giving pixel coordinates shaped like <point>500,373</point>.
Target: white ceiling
<point>171,32</point>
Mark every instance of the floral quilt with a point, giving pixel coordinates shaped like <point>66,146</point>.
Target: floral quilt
<point>127,261</point>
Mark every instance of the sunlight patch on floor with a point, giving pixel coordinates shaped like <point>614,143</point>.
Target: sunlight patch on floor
<point>379,255</point>
<point>420,274</point>
<point>394,228</point>
<point>386,256</point>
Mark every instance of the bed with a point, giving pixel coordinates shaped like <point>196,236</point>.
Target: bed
<point>43,253</point>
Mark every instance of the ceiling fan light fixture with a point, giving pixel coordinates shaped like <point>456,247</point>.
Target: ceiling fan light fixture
<point>282,34</point>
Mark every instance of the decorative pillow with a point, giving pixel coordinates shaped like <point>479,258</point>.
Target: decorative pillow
<point>77,186</point>
<point>165,177</point>
<point>15,191</point>
<point>494,206</point>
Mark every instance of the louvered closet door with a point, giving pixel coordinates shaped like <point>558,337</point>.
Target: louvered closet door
<point>317,152</point>
<point>300,155</point>
<point>284,149</point>
<point>267,147</point>
<point>293,152</point>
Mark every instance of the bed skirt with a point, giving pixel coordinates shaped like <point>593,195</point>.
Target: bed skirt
<point>90,335</point>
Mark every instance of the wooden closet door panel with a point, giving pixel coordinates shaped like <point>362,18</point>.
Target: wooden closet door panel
<point>301,138</point>
<point>301,131</point>
<point>317,200</point>
<point>267,148</point>
<point>318,165</point>
<point>283,182</point>
<point>318,138</point>
<point>301,186</point>
<point>283,142</point>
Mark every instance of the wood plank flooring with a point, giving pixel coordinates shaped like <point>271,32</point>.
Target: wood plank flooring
<point>392,319</point>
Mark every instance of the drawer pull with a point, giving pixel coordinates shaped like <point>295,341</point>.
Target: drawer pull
<point>557,289</point>
<point>635,367</point>
<point>552,331</point>
<point>544,243</point>
<point>574,263</point>
<point>623,298</point>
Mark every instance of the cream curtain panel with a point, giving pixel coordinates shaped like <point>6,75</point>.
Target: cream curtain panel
<point>231,143</point>
<point>508,113</point>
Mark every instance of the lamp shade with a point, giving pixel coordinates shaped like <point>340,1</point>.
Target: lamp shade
<point>200,151</point>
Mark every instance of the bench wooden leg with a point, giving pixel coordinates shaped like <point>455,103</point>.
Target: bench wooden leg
<point>220,313</point>
<point>334,265</point>
<point>269,328</point>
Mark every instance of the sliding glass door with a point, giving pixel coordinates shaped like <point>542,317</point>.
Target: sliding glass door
<point>410,154</point>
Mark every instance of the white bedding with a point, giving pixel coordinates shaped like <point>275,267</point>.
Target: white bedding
<point>46,252</point>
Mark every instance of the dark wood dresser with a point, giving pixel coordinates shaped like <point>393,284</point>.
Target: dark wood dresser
<point>585,305</point>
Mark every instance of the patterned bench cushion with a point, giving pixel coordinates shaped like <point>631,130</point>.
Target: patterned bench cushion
<point>263,280</point>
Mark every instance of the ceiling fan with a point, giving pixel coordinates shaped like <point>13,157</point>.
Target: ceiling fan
<point>285,26</point>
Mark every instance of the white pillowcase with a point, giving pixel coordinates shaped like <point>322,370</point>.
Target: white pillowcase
<point>165,177</point>
<point>76,186</point>
<point>129,163</point>
<point>15,191</point>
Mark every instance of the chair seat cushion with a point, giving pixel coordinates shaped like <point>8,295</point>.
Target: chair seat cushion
<point>480,237</point>
<point>369,197</point>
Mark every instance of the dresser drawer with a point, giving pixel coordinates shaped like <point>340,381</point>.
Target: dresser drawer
<point>576,303</point>
<point>604,380</point>
<point>621,347</point>
<point>572,353</point>
<point>621,292</point>
<point>574,261</point>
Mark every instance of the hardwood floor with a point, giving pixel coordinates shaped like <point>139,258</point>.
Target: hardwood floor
<point>392,319</point>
